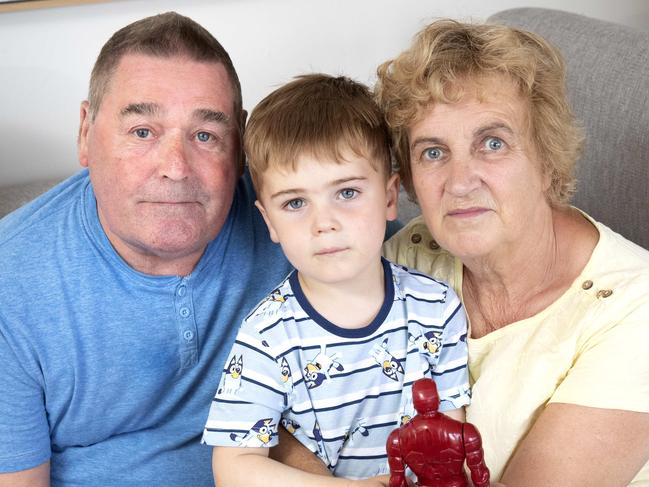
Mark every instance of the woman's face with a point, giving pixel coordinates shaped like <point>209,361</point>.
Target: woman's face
<point>475,171</point>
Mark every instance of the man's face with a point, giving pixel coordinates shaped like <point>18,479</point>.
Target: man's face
<point>162,154</point>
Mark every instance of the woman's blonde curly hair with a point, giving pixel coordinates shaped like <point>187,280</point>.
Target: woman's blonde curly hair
<point>447,55</point>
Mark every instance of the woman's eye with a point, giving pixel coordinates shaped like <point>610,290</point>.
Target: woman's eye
<point>142,133</point>
<point>204,136</point>
<point>348,193</point>
<point>494,143</point>
<point>295,204</point>
<point>433,153</point>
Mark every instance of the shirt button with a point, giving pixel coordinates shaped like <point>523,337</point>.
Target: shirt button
<point>184,312</point>
<point>416,238</point>
<point>188,335</point>
<point>182,290</point>
<point>433,245</point>
<point>604,293</point>
<point>587,284</point>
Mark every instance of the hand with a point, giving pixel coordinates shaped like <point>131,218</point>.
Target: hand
<point>380,481</point>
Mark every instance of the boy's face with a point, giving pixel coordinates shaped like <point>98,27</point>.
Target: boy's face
<point>329,218</point>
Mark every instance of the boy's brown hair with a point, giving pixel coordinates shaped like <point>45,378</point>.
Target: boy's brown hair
<point>320,116</point>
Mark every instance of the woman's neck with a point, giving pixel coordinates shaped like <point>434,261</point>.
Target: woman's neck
<point>509,287</point>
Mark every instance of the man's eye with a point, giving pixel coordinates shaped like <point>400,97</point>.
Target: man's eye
<point>432,153</point>
<point>348,193</point>
<point>295,204</point>
<point>494,143</point>
<point>204,136</point>
<point>142,133</point>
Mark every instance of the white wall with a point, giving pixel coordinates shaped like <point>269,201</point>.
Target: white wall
<point>46,55</point>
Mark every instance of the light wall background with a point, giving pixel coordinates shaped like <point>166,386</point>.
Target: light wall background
<point>46,55</point>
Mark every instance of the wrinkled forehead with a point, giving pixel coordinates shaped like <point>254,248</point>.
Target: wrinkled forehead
<point>497,89</point>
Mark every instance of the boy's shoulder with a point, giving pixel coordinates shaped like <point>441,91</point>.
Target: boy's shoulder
<point>272,306</point>
<point>407,279</point>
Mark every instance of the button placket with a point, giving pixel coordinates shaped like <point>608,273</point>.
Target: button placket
<point>186,324</point>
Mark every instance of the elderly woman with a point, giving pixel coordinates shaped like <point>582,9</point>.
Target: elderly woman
<point>558,303</point>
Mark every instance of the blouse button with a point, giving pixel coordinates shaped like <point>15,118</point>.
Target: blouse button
<point>433,245</point>
<point>604,293</point>
<point>416,238</point>
<point>587,284</point>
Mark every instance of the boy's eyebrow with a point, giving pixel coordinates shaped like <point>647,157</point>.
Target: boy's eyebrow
<point>335,182</point>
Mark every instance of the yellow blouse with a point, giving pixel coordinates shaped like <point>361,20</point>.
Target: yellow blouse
<point>589,347</point>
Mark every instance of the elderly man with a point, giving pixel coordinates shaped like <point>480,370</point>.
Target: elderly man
<point>125,284</point>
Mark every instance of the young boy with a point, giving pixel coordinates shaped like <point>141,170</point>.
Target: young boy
<point>332,353</point>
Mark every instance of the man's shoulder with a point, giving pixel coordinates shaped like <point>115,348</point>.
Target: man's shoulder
<point>42,216</point>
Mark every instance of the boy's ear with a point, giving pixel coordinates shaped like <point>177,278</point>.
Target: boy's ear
<point>271,229</point>
<point>392,193</point>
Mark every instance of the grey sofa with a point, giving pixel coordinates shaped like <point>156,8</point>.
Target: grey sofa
<point>608,85</point>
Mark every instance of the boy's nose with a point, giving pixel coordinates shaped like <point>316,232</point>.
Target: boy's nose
<point>324,221</point>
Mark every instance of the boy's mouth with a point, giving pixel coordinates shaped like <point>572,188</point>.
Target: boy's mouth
<point>330,251</point>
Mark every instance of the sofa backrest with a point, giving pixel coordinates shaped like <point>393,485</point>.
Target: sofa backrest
<point>608,88</point>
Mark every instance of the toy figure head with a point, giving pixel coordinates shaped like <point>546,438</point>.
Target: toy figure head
<point>424,396</point>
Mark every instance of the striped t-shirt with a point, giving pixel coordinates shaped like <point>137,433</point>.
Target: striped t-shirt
<point>340,391</point>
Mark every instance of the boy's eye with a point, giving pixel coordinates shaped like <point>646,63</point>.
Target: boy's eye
<point>295,204</point>
<point>348,193</point>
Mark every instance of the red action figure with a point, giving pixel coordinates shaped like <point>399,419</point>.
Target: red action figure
<point>434,446</point>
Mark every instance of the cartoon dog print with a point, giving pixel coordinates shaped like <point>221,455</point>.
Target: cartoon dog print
<point>390,365</point>
<point>232,376</point>
<point>317,370</point>
<point>259,435</point>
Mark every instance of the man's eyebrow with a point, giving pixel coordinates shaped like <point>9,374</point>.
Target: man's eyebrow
<point>140,109</point>
<point>208,115</point>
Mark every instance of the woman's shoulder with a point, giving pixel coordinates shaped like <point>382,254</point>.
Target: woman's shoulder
<point>615,253</point>
<point>414,247</point>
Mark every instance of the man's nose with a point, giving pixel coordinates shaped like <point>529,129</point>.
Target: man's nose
<point>174,163</point>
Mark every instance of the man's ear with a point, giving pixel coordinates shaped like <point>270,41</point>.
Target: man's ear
<point>392,194</point>
<point>271,229</point>
<point>82,139</point>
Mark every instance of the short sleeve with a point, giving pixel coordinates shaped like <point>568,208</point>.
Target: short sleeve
<point>451,371</point>
<point>24,431</point>
<point>612,369</point>
<point>250,397</point>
